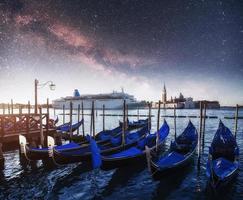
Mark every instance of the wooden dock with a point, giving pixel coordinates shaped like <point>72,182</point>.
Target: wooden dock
<point>13,125</point>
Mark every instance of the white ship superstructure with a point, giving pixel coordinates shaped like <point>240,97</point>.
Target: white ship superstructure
<point>112,100</point>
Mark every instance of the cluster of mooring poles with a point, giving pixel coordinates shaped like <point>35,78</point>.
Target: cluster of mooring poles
<point>80,111</point>
<point>33,123</point>
<point>26,123</point>
<point>10,108</point>
<point>202,125</point>
<point>92,114</point>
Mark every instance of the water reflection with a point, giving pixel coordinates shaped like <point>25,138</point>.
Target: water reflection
<point>70,181</point>
<point>170,182</point>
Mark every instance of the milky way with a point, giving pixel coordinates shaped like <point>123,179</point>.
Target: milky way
<point>177,42</point>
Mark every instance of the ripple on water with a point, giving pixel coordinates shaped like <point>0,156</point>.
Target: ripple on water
<point>70,182</point>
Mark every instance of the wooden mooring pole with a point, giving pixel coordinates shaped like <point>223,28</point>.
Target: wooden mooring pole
<point>236,119</point>
<point>71,120</point>
<point>124,123</point>
<point>28,126</point>
<point>28,107</point>
<point>8,108</point>
<point>127,121</point>
<point>41,128</point>
<point>82,108</point>
<point>47,106</point>
<point>201,122</point>
<point>20,109</point>
<point>91,119</point>
<point>158,117</point>
<point>200,136</point>
<point>204,123</point>
<point>12,106</point>
<point>78,117</point>
<point>3,107</point>
<point>47,122</point>
<point>93,105</point>
<point>103,117</point>
<point>63,113</point>
<point>149,117</point>
<point>157,133</point>
<point>175,121</point>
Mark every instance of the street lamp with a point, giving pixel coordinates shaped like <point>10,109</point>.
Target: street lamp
<point>39,86</point>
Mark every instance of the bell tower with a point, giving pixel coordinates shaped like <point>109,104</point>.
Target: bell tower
<point>164,96</point>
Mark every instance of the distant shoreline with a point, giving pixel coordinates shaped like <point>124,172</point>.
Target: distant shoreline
<point>25,106</point>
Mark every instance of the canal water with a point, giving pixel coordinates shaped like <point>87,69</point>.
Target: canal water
<point>71,182</point>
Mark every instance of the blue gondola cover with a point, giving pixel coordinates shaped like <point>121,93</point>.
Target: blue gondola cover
<point>66,127</point>
<point>95,151</point>
<point>170,159</point>
<point>224,142</point>
<point>222,165</point>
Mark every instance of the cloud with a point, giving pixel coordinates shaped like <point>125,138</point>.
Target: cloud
<point>46,30</point>
<point>70,35</point>
<point>23,20</point>
<point>110,66</point>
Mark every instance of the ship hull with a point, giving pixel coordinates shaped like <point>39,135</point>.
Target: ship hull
<point>109,104</point>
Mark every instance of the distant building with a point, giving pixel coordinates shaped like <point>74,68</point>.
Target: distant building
<point>178,102</point>
<point>164,97</point>
<point>189,103</point>
<point>185,102</point>
<point>210,104</point>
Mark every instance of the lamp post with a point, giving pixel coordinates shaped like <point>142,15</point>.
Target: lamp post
<point>39,86</point>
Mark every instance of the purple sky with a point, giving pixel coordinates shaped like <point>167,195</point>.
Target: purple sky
<point>195,47</point>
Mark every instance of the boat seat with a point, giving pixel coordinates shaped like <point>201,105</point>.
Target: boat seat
<point>227,153</point>
<point>133,151</point>
<point>183,141</point>
<point>170,159</point>
<point>183,148</point>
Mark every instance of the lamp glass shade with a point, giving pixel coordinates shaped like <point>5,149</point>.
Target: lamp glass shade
<point>52,86</point>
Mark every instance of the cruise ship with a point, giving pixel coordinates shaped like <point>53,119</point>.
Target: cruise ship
<point>112,101</point>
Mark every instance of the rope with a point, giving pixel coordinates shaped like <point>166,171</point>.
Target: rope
<point>51,154</point>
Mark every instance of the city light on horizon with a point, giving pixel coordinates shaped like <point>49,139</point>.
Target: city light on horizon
<point>22,92</point>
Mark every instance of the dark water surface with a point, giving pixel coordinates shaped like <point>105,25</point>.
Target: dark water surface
<point>71,182</point>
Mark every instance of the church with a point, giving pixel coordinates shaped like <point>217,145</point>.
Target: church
<point>186,103</point>
<point>177,102</point>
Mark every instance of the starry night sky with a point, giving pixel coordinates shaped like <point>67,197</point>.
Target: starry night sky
<point>194,46</point>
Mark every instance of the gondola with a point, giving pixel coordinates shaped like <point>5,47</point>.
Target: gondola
<point>136,155</point>
<point>102,137</point>
<point>56,120</point>
<point>66,127</point>
<point>52,122</point>
<point>223,162</point>
<point>42,153</point>
<point>32,153</point>
<point>83,153</point>
<point>178,156</point>
<point>135,124</point>
<point>105,136</point>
